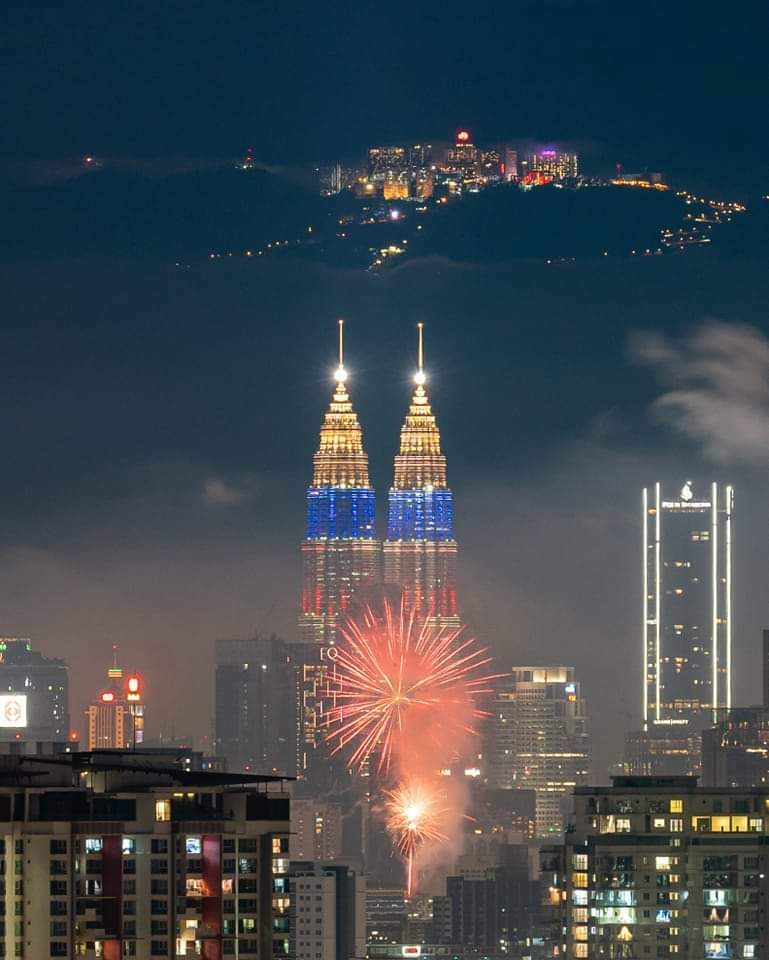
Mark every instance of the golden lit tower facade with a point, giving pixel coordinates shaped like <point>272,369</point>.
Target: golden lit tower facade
<point>420,553</point>
<point>116,717</point>
<point>340,552</point>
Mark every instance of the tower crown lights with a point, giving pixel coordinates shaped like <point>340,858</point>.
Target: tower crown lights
<point>420,462</point>
<point>340,460</point>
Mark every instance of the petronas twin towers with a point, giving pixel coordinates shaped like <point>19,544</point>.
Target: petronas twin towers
<point>341,554</point>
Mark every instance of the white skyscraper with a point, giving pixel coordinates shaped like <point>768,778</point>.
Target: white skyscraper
<point>687,606</point>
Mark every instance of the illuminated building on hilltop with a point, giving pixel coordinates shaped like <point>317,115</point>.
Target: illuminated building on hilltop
<point>340,552</point>
<point>382,160</point>
<point>463,156</point>
<point>34,694</point>
<point>116,717</point>
<point>553,164</point>
<point>420,553</point>
<point>420,155</point>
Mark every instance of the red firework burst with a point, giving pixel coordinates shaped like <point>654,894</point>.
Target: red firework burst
<point>392,667</point>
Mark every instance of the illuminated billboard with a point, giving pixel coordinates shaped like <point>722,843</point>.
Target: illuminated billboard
<point>13,710</point>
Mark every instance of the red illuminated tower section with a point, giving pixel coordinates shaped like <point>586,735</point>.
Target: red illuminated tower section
<point>340,554</point>
<point>420,553</point>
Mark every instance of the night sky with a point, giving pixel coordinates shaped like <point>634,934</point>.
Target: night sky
<point>158,424</point>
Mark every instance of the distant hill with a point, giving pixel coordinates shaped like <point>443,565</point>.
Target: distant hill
<point>504,223</point>
<point>120,213</point>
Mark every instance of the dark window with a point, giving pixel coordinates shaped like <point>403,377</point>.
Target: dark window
<point>158,886</point>
<point>159,845</point>
<point>59,949</point>
<point>159,948</point>
<point>159,906</point>
<point>159,866</point>
<point>58,908</point>
<point>159,928</point>
<point>58,846</point>
<point>58,888</point>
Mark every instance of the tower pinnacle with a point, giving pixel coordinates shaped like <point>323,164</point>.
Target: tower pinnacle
<point>341,373</point>
<point>420,377</point>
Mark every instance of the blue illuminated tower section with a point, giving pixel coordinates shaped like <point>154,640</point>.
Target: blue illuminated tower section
<point>340,554</point>
<point>420,553</point>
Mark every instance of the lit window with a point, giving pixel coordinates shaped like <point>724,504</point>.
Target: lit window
<point>749,950</point>
<point>579,861</point>
<point>676,825</point>
<point>659,823</point>
<point>193,846</point>
<point>756,824</point>
<point>662,863</point>
<point>623,825</point>
<point>162,810</point>
<point>580,933</point>
<point>128,846</point>
<point>579,915</point>
<point>580,950</point>
<point>93,844</point>
<point>579,897</point>
<point>676,806</point>
<point>579,880</point>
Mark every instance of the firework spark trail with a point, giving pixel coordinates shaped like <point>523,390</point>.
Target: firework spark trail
<point>408,690</point>
<point>413,816</point>
<point>387,668</point>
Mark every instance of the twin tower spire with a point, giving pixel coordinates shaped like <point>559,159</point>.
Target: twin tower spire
<point>340,551</point>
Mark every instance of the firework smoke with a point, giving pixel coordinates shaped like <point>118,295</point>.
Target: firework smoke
<point>404,696</point>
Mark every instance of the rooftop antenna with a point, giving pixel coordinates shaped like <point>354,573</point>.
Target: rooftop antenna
<point>420,376</point>
<point>341,373</point>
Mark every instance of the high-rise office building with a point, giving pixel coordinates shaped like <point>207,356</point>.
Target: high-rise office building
<point>492,911</point>
<point>657,867</point>
<point>34,694</point>
<point>254,716</point>
<point>538,739</point>
<point>420,553</point>
<point>116,717</point>
<point>554,164</point>
<point>340,554</point>
<point>328,912</point>
<point>687,605</point>
<point>316,830</point>
<point>112,856</point>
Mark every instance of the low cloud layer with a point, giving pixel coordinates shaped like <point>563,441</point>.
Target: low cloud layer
<point>717,388</point>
